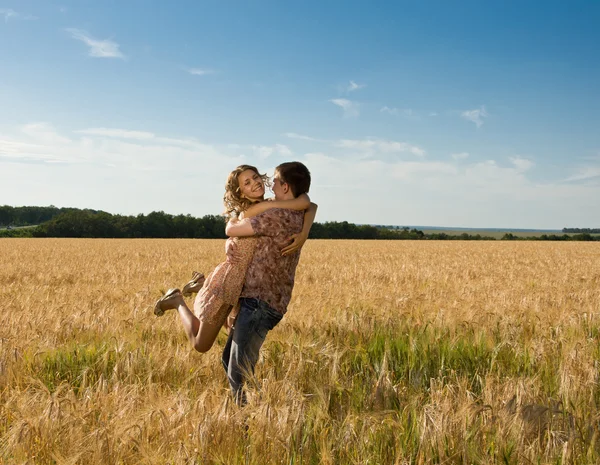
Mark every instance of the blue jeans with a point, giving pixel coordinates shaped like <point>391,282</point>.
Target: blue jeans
<point>240,355</point>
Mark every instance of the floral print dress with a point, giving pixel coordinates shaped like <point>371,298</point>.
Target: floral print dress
<point>221,290</point>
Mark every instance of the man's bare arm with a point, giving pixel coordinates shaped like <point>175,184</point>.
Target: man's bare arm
<point>299,239</point>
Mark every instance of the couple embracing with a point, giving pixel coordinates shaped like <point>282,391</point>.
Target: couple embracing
<point>249,293</point>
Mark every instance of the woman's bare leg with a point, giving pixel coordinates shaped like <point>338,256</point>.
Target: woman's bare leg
<point>201,334</point>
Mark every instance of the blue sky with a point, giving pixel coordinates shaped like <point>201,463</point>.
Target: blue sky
<point>467,113</point>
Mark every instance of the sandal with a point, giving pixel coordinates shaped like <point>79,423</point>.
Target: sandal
<point>163,304</point>
<point>194,285</point>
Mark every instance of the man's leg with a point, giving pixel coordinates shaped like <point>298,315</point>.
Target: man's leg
<point>241,352</point>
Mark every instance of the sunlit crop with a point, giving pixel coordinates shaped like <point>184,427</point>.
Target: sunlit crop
<point>391,353</point>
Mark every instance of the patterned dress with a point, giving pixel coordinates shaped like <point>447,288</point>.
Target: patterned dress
<point>221,290</point>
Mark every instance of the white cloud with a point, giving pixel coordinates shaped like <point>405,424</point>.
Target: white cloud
<point>350,108</point>
<point>98,48</point>
<point>388,110</point>
<point>44,132</point>
<point>410,169</point>
<point>265,151</point>
<point>200,71</point>
<point>522,164</point>
<point>9,13</point>
<point>117,133</point>
<point>283,150</point>
<point>354,86</point>
<point>491,177</point>
<point>475,116</point>
<point>119,175</point>
<point>482,194</point>
<point>380,145</point>
<point>127,171</point>
<point>293,135</point>
<point>585,173</point>
<point>405,112</point>
<point>460,156</point>
<point>145,137</point>
<point>433,113</point>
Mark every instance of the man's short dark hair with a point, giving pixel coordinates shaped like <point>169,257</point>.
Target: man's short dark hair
<point>296,175</point>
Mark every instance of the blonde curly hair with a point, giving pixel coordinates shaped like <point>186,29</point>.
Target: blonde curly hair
<point>234,203</point>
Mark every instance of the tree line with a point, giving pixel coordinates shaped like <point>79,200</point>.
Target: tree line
<point>581,230</point>
<point>73,222</point>
<point>27,216</point>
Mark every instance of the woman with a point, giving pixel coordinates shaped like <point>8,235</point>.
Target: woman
<point>244,198</point>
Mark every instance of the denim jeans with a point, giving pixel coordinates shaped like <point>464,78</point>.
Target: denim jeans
<point>240,355</point>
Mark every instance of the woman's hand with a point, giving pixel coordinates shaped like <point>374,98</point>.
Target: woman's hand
<point>298,241</point>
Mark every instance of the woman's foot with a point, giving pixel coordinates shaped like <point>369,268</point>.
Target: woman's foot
<point>169,301</point>
<point>194,285</point>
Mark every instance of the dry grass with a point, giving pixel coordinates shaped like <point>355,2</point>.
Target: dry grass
<point>392,352</point>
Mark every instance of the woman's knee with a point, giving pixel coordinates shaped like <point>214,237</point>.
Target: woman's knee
<point>202,346</point>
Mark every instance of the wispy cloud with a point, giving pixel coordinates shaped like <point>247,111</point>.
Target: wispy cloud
<point>44,132</point>
<point>380,145</point>
<point>475,116</point>
<point>143,137</point>
<point>585,173</point>
<point>58,170</point>
<point>98,48</point>
<point>265,151</point>
<point>404,112</point>
<point>200,71</point>
<point>460,156</point>
<point>117,133</point>
<point>443,192</point>
<point>293,135</point>
<point>522,164</point>
<point>592,157</point>
<point>9,13</point>
<point>138,150</point>
<point>350,108</point>
<point>354,86</point>
<point>389,111</point>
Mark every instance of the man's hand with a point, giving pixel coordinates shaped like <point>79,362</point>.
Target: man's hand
<point>298,241</point>
<point>230,248</point>
<point>229,323</point>
<point>231,318</point>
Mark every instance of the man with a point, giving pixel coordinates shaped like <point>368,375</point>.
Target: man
<point>270,277</point>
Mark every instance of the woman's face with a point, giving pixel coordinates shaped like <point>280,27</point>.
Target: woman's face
<point>251,185</point>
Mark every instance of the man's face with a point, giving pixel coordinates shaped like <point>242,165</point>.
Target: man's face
<point>278,187</point>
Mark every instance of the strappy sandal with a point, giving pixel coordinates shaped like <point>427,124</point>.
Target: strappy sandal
<point>194,285</point>
<point>162,305</point>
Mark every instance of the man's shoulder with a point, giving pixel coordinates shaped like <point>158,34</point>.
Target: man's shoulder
<point>278,213</point>
<point>277,221</point>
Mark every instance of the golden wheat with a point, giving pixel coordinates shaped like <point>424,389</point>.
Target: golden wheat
<point>391,352</point>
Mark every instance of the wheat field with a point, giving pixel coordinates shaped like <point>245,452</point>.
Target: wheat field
<point>391,353</point>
